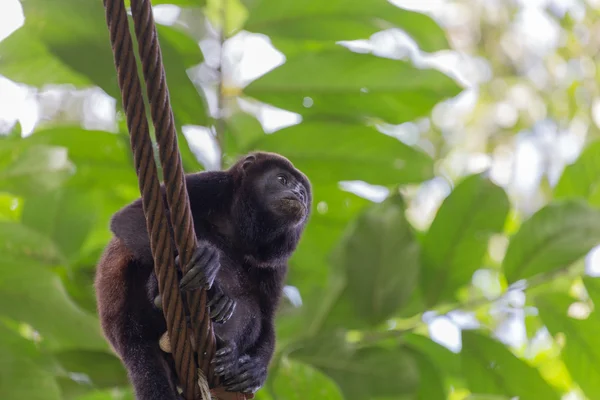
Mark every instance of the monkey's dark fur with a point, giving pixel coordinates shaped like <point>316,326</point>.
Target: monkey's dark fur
<point>248,221</point>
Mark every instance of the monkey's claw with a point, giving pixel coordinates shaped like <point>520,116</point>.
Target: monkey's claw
<point>248,378</point>
<point>220,305</point>
<point>204,268</point>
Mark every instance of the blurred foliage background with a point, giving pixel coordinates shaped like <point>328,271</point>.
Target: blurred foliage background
<point>452,145</point>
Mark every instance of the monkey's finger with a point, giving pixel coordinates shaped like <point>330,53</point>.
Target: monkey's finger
<point>245,366</point>
<point>219,307</point>
<point>223,351</point>
<point>202,257</point>
<point>202,251</point>
<point>243,385</point>
<point>214,299</point>
<point>224,368</point>
<point>193,279</point>
<point>228,312</point>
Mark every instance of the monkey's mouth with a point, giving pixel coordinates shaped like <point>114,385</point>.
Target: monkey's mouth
<point>292,206</point>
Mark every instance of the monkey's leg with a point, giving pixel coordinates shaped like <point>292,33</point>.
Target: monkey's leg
<point>149,372</point>
<point>250,376</point>
<point>246,373</point>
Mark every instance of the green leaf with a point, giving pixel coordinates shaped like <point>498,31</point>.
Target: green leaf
<point>241,131</point>
<point>441,356</point>
<point>364,373</point>
<point>333,209</point>
<point>121,394</point>
<point>380,257</point>
<point>103,369</point>
<point>182,3</point>
<point>21,244</point>
<point>431,383</point>
<point>101,158</point>
<point>27,169</point>
<point>26,59</point>
<point>330,152</point>
<point>340,20</point>
<point>553,238</point>
<point>581,178</point>
<point>490,368</point>
<point>20,376</point>
<point>323,84</point>
<point>65,216</point>
<point>592,285</point>
<point>580,353</point>
<point>298,381</point>
<point>31,293</point>
<point>457,241</point>
<point>76,51</point>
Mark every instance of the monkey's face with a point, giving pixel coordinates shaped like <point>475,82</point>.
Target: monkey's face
<point>284,194</point>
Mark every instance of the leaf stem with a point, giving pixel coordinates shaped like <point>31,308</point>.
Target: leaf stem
<point>534,282</point>
<point>220,122</point>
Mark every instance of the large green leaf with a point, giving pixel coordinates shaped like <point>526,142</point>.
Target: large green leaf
<point>379,256</point>
<point>329,152</point>
<point>580,353</point>
<point>457,240</point>
<point>21,377</point>
<point>442,357</point>
<point>366,373</point>
<point>490,368</point>
<point>27,168</point>
<point>30,292</point>
<point>241,131</point>
<point>26,59</point>
<point>102,159</point>
<point>431,383</point>
<point>340,83</point>
<point>71,49</point>
<point>333,209</point>
<point>581,178</point>
<point>66,216</point>
<point>553,238</point>
<point>21,244</point>
<point>298,381</point>
<point>340,20</point>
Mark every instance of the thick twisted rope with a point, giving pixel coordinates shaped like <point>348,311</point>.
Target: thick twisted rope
<point>154,210</point>
<point>166,136</point>
<point>176,190</point>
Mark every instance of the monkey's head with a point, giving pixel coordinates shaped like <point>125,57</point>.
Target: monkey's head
<point>273,201</point>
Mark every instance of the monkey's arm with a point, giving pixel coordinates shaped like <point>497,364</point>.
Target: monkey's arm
<point>208,193</point>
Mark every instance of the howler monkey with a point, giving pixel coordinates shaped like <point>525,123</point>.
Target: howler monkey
<point>248,221</point>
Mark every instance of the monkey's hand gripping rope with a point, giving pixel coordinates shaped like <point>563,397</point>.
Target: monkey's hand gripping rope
<point>192,357</point>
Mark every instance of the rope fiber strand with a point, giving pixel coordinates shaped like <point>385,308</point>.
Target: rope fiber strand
<point>191,379</point>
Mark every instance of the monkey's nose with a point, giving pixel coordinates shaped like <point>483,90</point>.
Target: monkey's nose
<point>300,194</point>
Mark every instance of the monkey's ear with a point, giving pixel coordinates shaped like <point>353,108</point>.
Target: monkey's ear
<point>248,161</point>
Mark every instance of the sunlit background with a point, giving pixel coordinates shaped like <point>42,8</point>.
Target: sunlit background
<point>528,67</point>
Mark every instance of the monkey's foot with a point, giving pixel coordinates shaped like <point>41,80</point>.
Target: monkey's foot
<point>203,270</point>
<point>226,360</point>
<point>220,305</point>
<point>248,378</point>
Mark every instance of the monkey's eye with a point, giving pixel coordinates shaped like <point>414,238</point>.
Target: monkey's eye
<point>282,179</point>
